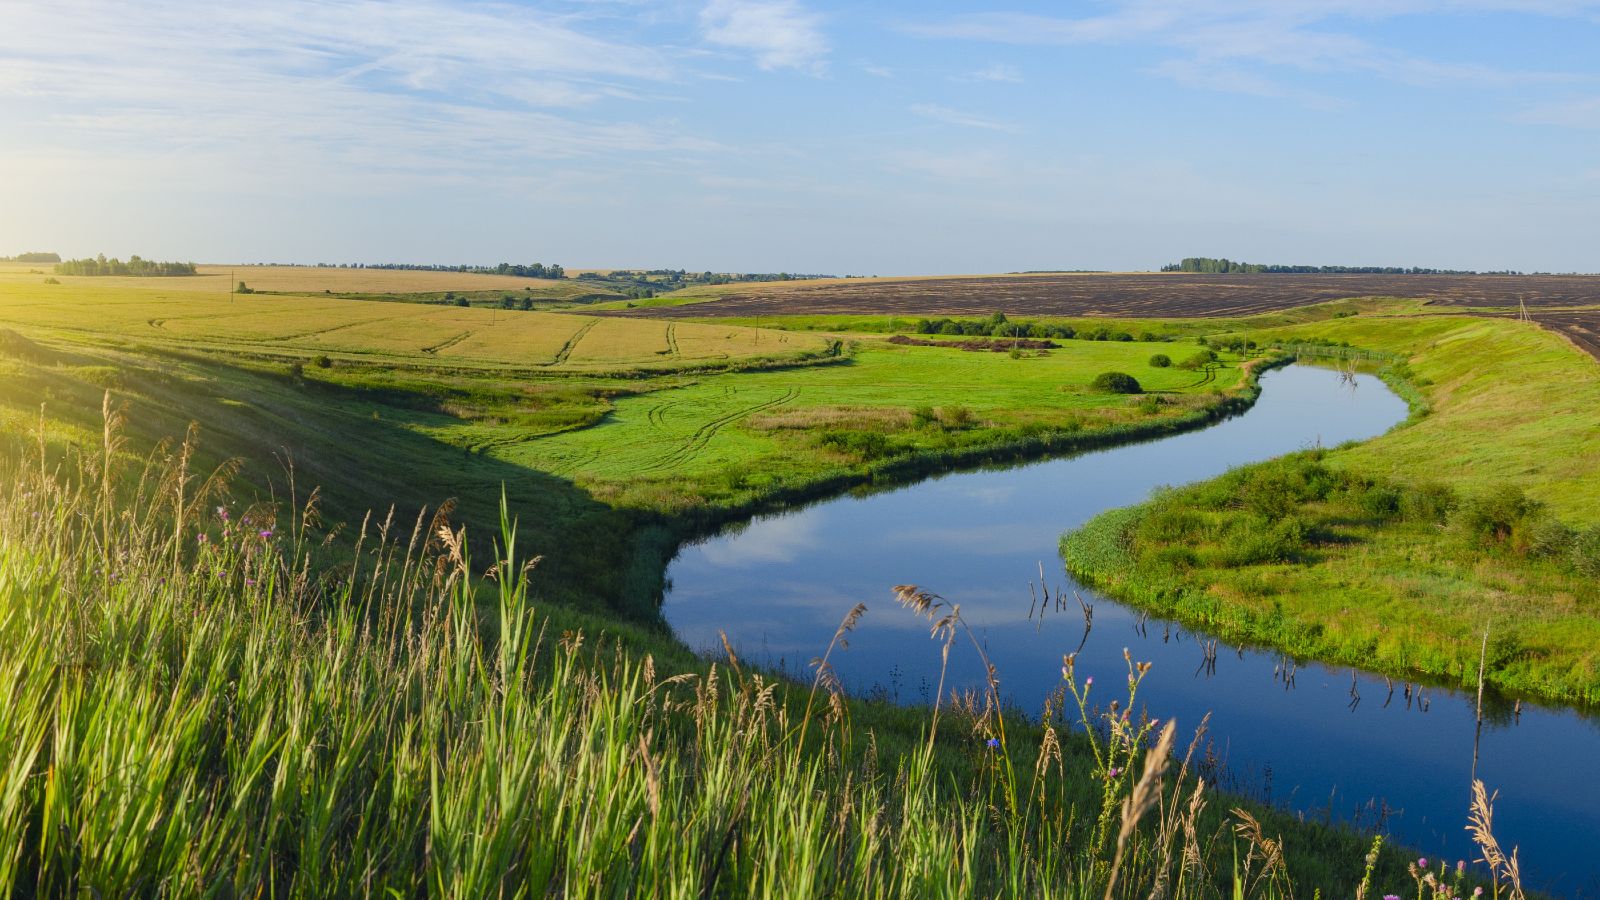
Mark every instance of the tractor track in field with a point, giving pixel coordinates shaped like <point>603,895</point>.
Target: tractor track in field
<point>703,435</point>
<point>447,344</point>
<point>672,341</point>
<point>329,330</point>
<point>565,352</point>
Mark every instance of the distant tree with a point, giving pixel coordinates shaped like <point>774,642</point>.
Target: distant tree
<point>135,265</point>
<point>1160,361</point>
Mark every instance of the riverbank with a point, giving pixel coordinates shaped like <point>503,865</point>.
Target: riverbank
<point>193,678</point>
<point>1396,555</point>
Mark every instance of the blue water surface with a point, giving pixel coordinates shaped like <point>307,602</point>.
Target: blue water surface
<point>1323,740</point>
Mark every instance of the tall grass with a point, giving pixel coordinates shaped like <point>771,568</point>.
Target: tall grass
<point>201,703</point>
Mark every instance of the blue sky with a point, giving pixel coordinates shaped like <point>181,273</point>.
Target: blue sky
<point>764,135</point>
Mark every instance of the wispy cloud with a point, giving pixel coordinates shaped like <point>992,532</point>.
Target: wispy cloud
<point>1001,72</point>
<point>956,117</point>
<point>780,34</point>
<point>1217,38</point>
<point>1582,112</point>
<point>359,86</point>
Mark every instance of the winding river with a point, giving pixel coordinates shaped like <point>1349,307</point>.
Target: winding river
<point>1328,741</point>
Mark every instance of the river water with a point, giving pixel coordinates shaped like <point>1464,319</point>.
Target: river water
<point>1323,740</point>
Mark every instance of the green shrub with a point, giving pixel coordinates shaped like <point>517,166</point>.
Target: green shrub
<point>1200,359</point>
<point>1427,502</point>
<point>1586,552</point>
<point>1160,361</point>
<point>1116,383</point>
<point>950,328</point>
<point>923,416</point>
<point>324,362</point>
<point>1379,500</point>
<point>1496,518</point>
<point>865,444</point>
<point>956,416</point>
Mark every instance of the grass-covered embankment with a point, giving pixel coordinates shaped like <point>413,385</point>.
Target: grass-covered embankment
<point>1398,553</point>
<point>200,705</point>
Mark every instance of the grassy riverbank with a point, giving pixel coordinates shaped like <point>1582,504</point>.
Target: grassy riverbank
<point>200,702</point>
<point>1398,553</point>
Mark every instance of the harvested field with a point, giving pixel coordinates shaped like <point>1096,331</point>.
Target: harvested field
<point>1149,295</point>
<point>399,333</point>
<point>1582,327</point>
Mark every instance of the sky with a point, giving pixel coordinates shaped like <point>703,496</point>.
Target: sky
<point>805,136</point>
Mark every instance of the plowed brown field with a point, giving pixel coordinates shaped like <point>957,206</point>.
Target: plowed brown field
<point>1549,298</point>
<point>1144,295</point>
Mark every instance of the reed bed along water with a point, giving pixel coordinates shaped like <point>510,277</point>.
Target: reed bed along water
<point>206,700</point>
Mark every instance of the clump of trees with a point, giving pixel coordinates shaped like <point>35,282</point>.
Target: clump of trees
<point>1160,361</point>
<point>1208,265</point>
<point>135,265</point>
<point>35,257</point>
<point>999,326</point>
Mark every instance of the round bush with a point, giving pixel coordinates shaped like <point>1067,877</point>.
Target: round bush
<point>1117,383</point>
<point>1160,361</point>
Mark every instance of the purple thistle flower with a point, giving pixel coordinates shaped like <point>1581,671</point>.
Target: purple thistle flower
<point>266,533</point>
<point>201,538</point>
<point>1422,862</point>
<point>1114,772</point>
<point>1088,681</point>
<point>1461,866</point>
<point>1391,897</point>
<point>222,513</point>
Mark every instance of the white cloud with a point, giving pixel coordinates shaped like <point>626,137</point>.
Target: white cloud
<point>956,117</point>
<point>780,34</point>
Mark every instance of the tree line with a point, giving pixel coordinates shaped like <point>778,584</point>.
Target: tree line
<point>32,258</point>
<point>135,265</point>
<point>1214,266</point>
<point>521,270</point>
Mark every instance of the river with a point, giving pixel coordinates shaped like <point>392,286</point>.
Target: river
<point>1320,739</point>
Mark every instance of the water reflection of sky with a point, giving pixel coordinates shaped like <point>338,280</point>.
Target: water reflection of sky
<point>780,585</point>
